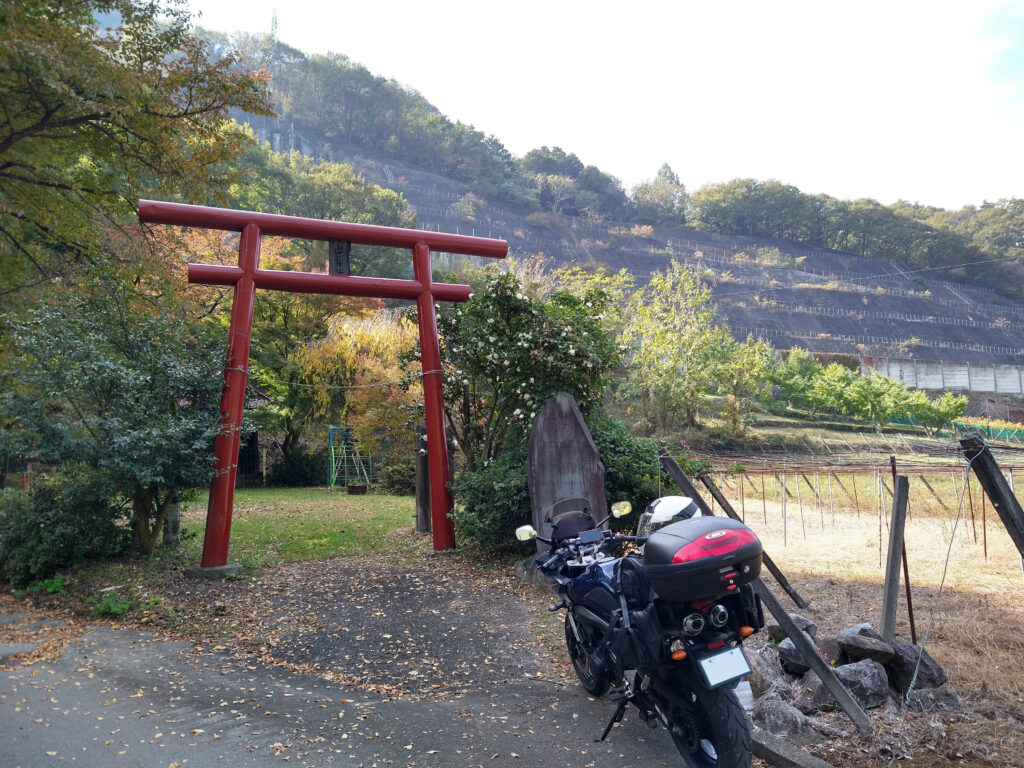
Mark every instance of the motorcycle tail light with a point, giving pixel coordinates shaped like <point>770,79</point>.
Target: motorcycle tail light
<point>720,542</point>
<point>746,631</point>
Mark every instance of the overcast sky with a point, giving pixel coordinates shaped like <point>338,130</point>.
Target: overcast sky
<point>922,101</point>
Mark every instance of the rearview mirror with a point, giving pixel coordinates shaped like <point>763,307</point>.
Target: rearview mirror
<point>621,508</point>
<point>525,532</point>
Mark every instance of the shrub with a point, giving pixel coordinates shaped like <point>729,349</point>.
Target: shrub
<point>399,477</point>
<point>108,603</point>
<point>491,502</point>
<point>67,517</point>
<point>300,467</point>
<point>631,467</point>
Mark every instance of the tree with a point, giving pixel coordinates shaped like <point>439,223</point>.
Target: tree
<point>744,374</point>
<point>292,184</point>
<point>506,354</point>
<point>95,117</point>
<point>830,389</point>
<point>878,399</point>
<point>795,377</point>
<point>364,355</point>
<point>661,201</point>
<point>674,346</point>
<point>123,385</point>
<point>934,414</point>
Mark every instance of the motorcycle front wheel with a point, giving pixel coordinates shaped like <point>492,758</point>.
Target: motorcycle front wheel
<point>591,680</point>
<point>710,728</point>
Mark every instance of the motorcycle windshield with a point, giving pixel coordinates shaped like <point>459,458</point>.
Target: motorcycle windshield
<point>542,521</point>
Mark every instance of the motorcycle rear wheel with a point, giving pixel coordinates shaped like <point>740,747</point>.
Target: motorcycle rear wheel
<point>593,683</point>
<point>710,728</point>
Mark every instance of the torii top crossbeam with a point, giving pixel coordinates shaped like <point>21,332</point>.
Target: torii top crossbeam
<point>247,277</point>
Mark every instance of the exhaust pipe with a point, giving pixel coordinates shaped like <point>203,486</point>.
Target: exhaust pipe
<point>693,624</point>
<point>718,616</point>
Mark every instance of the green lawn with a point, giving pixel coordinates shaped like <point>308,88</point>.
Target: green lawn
<point>272,525</point>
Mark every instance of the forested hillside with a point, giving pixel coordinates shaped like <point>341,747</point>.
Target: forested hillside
<point>339,100</point>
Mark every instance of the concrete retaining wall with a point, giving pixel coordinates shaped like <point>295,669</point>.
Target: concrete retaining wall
<point>973,377</point>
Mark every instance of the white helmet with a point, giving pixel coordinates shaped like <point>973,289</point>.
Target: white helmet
<point>667,509</point>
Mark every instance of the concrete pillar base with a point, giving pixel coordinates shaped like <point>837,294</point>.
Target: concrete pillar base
<point>213,573</point>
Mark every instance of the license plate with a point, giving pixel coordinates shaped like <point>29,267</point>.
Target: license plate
<point>724,667</point>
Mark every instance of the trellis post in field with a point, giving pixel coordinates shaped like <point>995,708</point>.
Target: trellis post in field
<point>1004,501</point>
<point>800,503</point>
<point>890,596</point>
<point>764,504</point>
<point>970,504</point>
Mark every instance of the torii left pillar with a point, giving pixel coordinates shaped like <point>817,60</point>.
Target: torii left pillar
<point>248,276</point>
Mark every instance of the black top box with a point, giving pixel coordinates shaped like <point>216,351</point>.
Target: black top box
<point>702,558</point>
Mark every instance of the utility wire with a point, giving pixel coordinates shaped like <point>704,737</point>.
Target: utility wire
<point>876,277</point>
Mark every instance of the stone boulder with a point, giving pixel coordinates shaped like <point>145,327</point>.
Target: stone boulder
<point>778,634</point>
<point>864,629</point>
<point>791,659</point>
<point>932,699</point>
<point>904,660</point>
<point>829,650</point>
<point>776,716</point>
<point>866,647</point>
<point>866,680</point>
<point>765,674</point>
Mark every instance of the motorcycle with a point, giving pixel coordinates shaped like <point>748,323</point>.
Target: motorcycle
<point>661,628</point>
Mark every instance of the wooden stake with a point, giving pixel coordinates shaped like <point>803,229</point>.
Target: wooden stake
<point>831,500</point>
<point>984,529</point>
<point>890,596</point>
<point>743,504</point>
<point>970,502</point>
<point>784,521</point>
<point>764,504</point>
<point>800,502</point>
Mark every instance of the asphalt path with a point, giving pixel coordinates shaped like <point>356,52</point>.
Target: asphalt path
<point>122,697</point>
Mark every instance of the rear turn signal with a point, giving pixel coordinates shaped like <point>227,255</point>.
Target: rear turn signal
<point>678,655</point>
<point>746,631</point>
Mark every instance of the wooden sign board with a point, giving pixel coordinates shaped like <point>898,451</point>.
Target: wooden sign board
<point>563,462</point>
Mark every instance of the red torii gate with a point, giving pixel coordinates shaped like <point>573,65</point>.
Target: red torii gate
<point>248,276</point>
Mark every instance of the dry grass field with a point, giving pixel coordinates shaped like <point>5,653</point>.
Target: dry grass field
<point>975,628</point>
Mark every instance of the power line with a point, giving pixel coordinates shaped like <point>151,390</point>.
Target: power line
<point>876,277</point>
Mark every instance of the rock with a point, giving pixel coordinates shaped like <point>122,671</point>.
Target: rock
<point>764,675</point>
<point>863,629</point>
<point>901,668</point>
<point>779,752</point>
<point>866,680</point>
<point>779,717</point>
<point>829,650</point>
<point>791,659</point>
<point>866,647</point>
<point>778,634</point>
<point>931,699</point>
<point>813,695</point>
<point>11,618</point>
